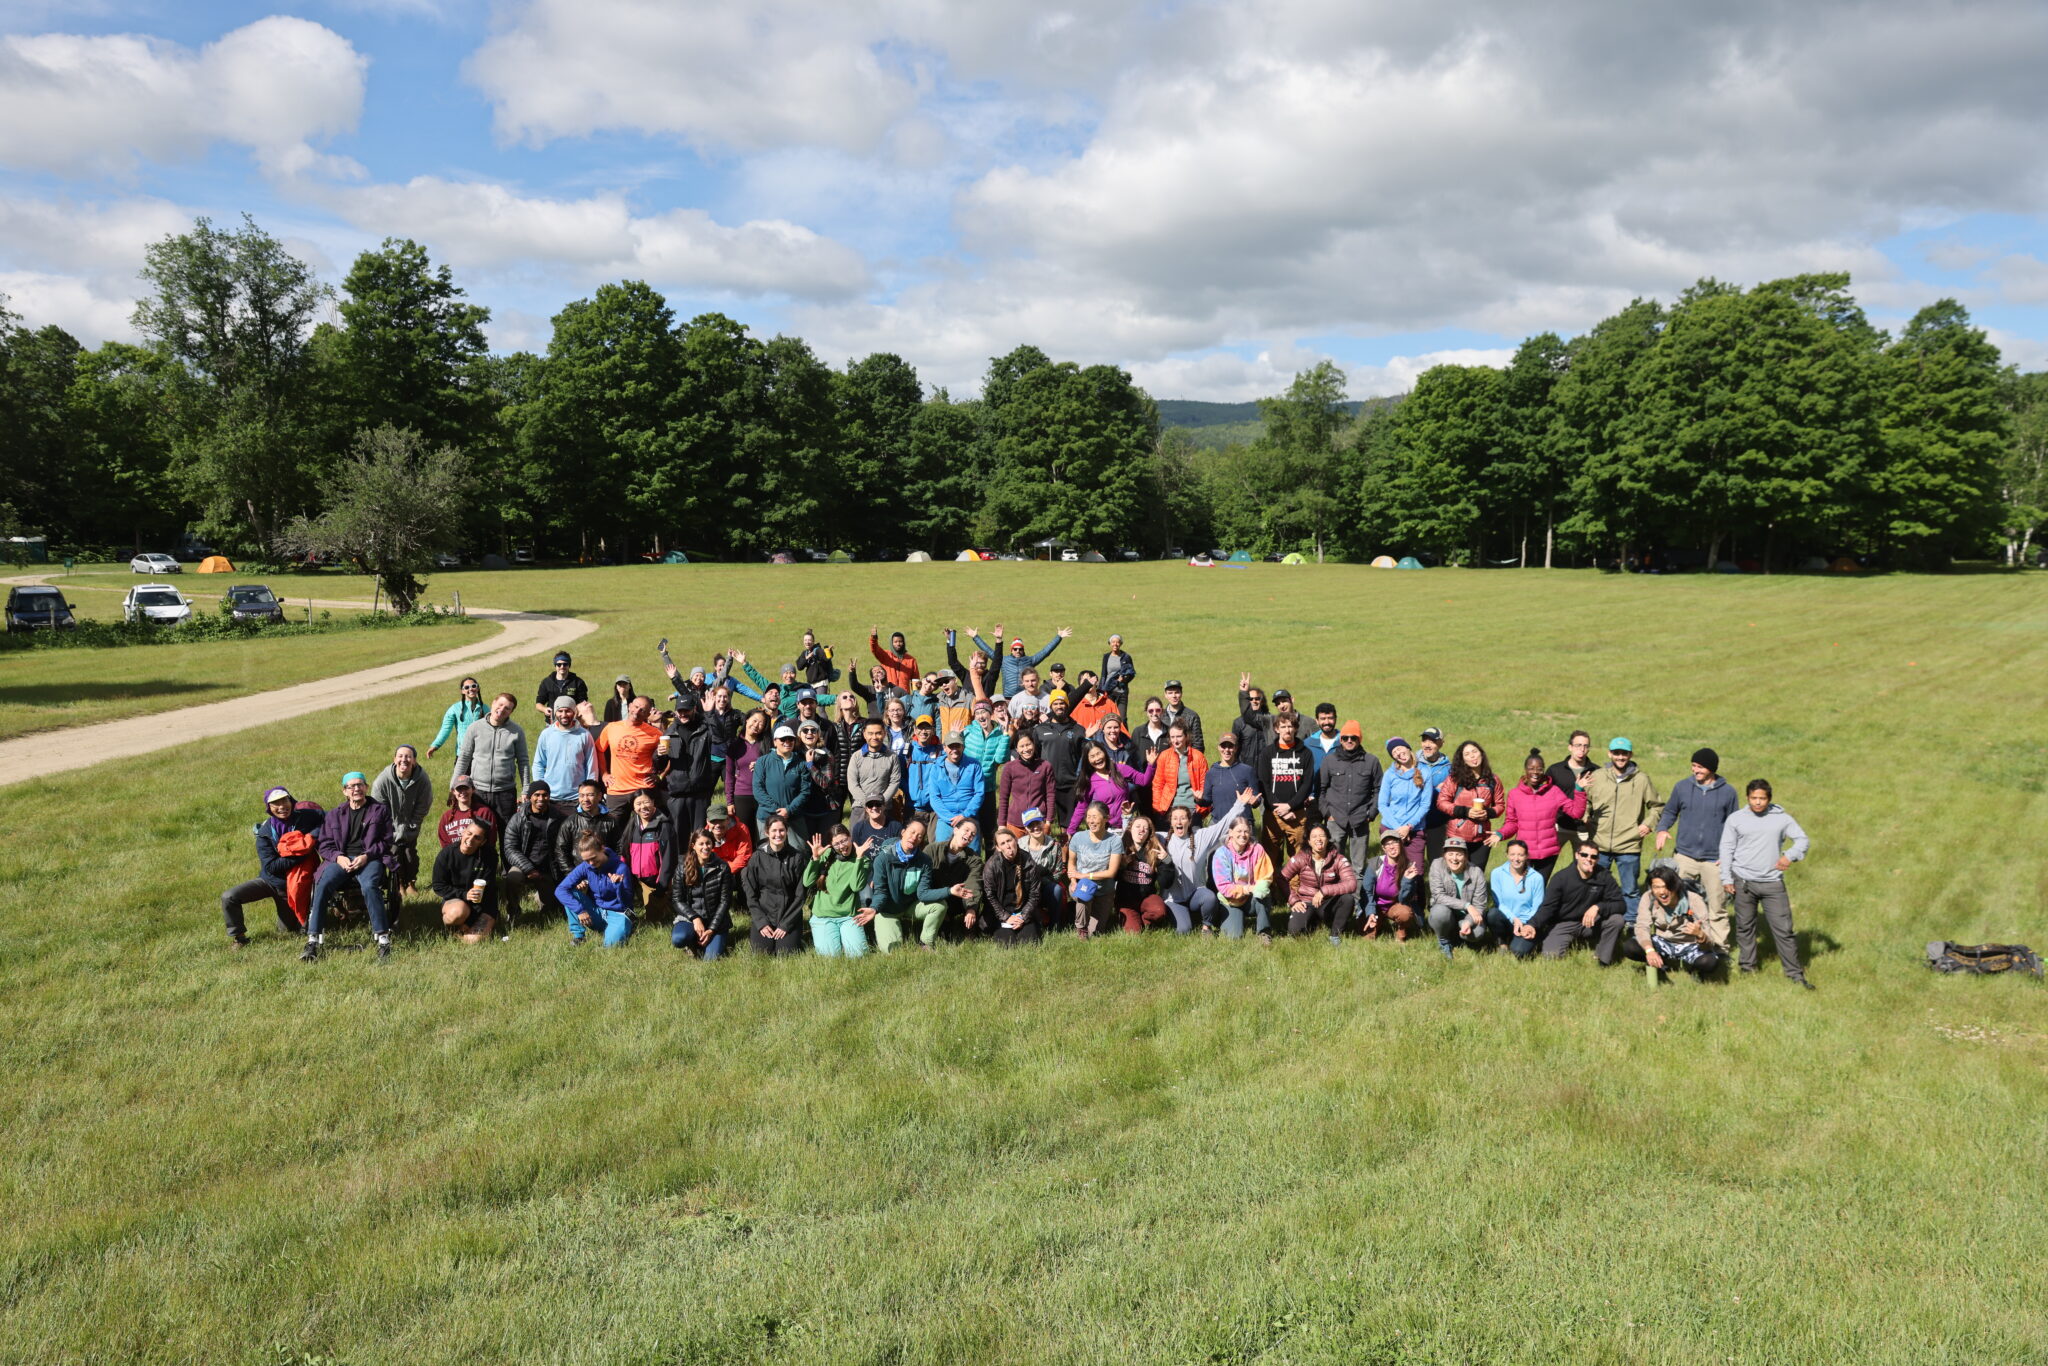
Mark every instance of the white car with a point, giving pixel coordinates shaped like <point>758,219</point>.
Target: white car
<point>156,603</point>
<point>155,564</point>
<point>1070,556</point>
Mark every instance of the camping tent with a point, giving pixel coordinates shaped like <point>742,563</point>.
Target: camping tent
<point>917,557</point>
<point>1240,557</point>
<point>216,564</point>
<point>968,555</point>
<point>1201,560</point>
<point>1813,564</point>
<point>782,557</point>
<point>675,557</point>
<point>1844,565</point>
<point>1293,557</point>
<point>496,561</point>
<point>1092,557</point>
<point>839,557</point>
<point>1384,562</point>
<point>1409,562</point>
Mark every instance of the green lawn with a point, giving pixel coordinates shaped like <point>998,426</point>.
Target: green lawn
<point>1158,1150</point>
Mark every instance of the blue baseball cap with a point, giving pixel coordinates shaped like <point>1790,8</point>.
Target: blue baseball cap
<point>1033,816</point>
<point>1621,742</point>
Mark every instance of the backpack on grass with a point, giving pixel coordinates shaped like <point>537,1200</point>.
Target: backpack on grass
<point>1943,956</point>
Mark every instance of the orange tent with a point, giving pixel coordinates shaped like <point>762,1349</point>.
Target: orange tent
<point>216,564</point>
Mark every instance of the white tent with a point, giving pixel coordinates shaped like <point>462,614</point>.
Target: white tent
<point>917,557</point>
<point>969,556</point>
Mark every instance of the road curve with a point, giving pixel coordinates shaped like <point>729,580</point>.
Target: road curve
<point>60,751</point>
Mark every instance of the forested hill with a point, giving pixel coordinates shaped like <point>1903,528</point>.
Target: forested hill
<point>1217,425</point>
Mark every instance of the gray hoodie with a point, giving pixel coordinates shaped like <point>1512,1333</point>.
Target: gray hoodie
<point>873,775</point>
<point>411,801</point>
<point>1750,844</point>
<point>494,757</point>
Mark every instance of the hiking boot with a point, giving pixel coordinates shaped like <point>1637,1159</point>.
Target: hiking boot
<point>312,952</point>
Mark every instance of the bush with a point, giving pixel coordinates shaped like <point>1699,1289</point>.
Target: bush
<point>198,629</point>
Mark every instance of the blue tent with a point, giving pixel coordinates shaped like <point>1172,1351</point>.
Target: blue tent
<point>1409,562</point>
<point>1240,557</point>
<point>675,557</point>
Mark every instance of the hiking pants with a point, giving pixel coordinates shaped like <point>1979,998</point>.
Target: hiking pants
<point>248,894</point>
<point>1604,936</point>
<point>1716,918</point>
<point>838,936</point>
<point>1777,908</point>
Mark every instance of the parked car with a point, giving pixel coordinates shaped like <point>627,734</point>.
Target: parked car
<point>815,555</point>
<point>159,604</point>
<point>1126,553</point>
<point>35,607</point>
<point>1070,555</point>
<point>522,554</point>
<point>447,559</point>
<point>254,602</point>
<point>153,563</point>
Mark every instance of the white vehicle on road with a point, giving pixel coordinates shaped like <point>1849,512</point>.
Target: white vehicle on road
<point>155,564</point>
<point>156,603</point>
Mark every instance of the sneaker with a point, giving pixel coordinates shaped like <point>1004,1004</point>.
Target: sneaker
<point>312,952</point>
<point>383,950</point>
<point>1336,941</point>
<point>1446,948</point>
<point>1208,931</point>
<point>1265,937</point>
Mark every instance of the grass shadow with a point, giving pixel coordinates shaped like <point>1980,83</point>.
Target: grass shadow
<point>55,694</point>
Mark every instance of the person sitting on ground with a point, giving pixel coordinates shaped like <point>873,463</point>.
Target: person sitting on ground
<point>649,842</point>
<point>1190,900</point>
<point>955,789</point>
<point>1469,799</point>
<point>1517,888</point>
<point>1391,890</point>
<point>466,880</point>
<point>597,894</point>
<point>1041,843</point>
<point>565,754</point>
<point>733,839</point>
<point>1094,857</point>
<point>1143,874</point>
<point>899,891</point>
<point>1457,898</point>
<point>774,886</point>
<point>561,683</point>
<point>1242,873</point>
<point>1581,905</point>
<point>408,794</point>
<point>1009,892</point>
<point>1322,887</point>
<point>463,805</point>
<point>1105,783</point>
<point>533,852</point>
<point>836,876</point>
<point>703,898</point>
<point>274,868</point>
<point>1537,809</point>
<point>468,706</point>
<point>1671,927</point>
<point>355,839</point>
<point>1406,802</point>
<point>956,865</point>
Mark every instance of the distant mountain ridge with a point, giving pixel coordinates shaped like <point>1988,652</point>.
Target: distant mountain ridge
<point>1217,425</point>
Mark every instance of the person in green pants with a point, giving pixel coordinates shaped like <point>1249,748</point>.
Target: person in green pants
<point>837,876</point>
<point>899,888</point>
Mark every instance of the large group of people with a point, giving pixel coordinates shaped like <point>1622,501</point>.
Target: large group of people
<point>998,798</point>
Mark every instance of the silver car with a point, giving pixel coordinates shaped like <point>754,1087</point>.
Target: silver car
<point>155,564</point>
<point>156,603</point>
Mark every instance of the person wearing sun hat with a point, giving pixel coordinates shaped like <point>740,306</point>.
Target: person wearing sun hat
<point>1621,803</point>
<point>355,840</point>
<point>274,868</point>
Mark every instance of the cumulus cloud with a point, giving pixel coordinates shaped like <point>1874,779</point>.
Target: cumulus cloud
<point>70,103</point>
<point>484,226</point>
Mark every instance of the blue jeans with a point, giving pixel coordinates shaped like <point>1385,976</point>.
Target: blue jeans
<point>1200,907</point>
<point>618,925</point>
<point>1626,867</point>
<point>1233,917</point>
<point>837,936</point>
<point>683,935</point>
<point>1504,933</point>
<point>370,877</point>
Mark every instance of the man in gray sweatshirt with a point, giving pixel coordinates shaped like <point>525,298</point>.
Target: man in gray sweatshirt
<point>405,787</point>
<point>1753,861</point>
<point>493,755</point>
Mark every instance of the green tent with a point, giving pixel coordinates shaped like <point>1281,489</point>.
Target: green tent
<point>1240,557</point>
<point>1293,557</point>
<point>839,557</point>
<point>1409,562</point>
<point>675,557</point>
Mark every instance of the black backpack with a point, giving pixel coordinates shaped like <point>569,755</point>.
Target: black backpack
<point>1943,956</point>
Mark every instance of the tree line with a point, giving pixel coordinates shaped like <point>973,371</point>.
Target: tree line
<point>263,405</point>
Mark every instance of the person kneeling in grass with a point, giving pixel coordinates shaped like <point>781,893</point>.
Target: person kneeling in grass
<point>703,898</point>
<point>1242,872</point>
<point>1672,927</point>
<point>466,880</point>
<point>899,889</point>
<point>1009,887</point>
<point>598,893</point>
<point>1457,898</point>
<point>836,875</point>
<point>1323,885</point>
<point>1389,886</point>
<point>1095,856</point>
<point>1517,887</point>
<point>774,884</point>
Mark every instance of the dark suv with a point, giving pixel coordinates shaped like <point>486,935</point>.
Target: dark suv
<point>254,602</point>
<point>33,607</point>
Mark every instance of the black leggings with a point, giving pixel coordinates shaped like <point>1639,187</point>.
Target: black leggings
<point>248,894</point>
<point>744,809</point>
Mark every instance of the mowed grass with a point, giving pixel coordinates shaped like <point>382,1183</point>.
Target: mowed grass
<point>1155,1150</point>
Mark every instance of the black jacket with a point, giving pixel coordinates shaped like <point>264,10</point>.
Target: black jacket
<point>1060,742</point>
<point>1348,788</point>
<point>1568,783</point>
<point>1287,775</point>
<point>710,900</point>
<point>456,872</point>
<point>1189,718</point>
<point>1009,886</point>
<point>532,844</point>
<point>813,665</point>
<point>552,687</point>
<point>574,824</point>
<point>775,886</point>
<point>687,770</point>
<point>1567,896</point>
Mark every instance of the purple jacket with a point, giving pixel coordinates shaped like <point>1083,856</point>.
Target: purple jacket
<point>376,831</point>
<point>1112,791</point>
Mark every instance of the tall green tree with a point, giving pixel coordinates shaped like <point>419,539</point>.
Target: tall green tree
<point>787,444</point>
<point>2023,469</point>
<point>389,507</point>
<point>1426,488</point>
<point>1944,436</point>
<point>411,348</point>
<point>1071,452</point>
<point>1307,480</point>
<point>1592,403</point>
<point>234,311</point>
<point>877,400</point>
<point>1530,485</point>
<point>934,506</point>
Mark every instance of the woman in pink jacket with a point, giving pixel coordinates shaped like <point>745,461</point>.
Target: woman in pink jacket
<point>1533,807</point>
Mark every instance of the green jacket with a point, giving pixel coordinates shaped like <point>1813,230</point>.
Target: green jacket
<point>837,882</point>
<point>1618,803</point>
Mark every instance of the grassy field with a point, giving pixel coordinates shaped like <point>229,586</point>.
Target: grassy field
<point>48,689</point>
<point>1127,1150</point>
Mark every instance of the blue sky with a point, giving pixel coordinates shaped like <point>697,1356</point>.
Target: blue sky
<point>1214,196</point>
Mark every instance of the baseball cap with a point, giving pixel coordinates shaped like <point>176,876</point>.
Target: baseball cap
<point>1432,733</point>
<point>686,701</point>
<point>1620,742</point>
<point>1352,729</point>
<point>626,679</point>
<point>956,736</point>
<point>275,794</point>
<point>923,723</point>
<point>1033,816</point>
<point>874,801</point>
<point>460,780</point>
<point>785,732</point>
<point>1455,843</point>
<point>1171,685</point>
<point>1058,667</point>
<point>1282,695</point>
<point>1390,838</point>
<point>806,694</point>
<point>716,813</point>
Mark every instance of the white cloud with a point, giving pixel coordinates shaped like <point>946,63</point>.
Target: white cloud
<point>72,302</point>
<point>2021,279</point>
<point>71,103</point>
<point>482,226</point>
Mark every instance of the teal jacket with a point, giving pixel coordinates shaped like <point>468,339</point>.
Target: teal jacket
<point>456,719</point>
<point>897,886</point>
